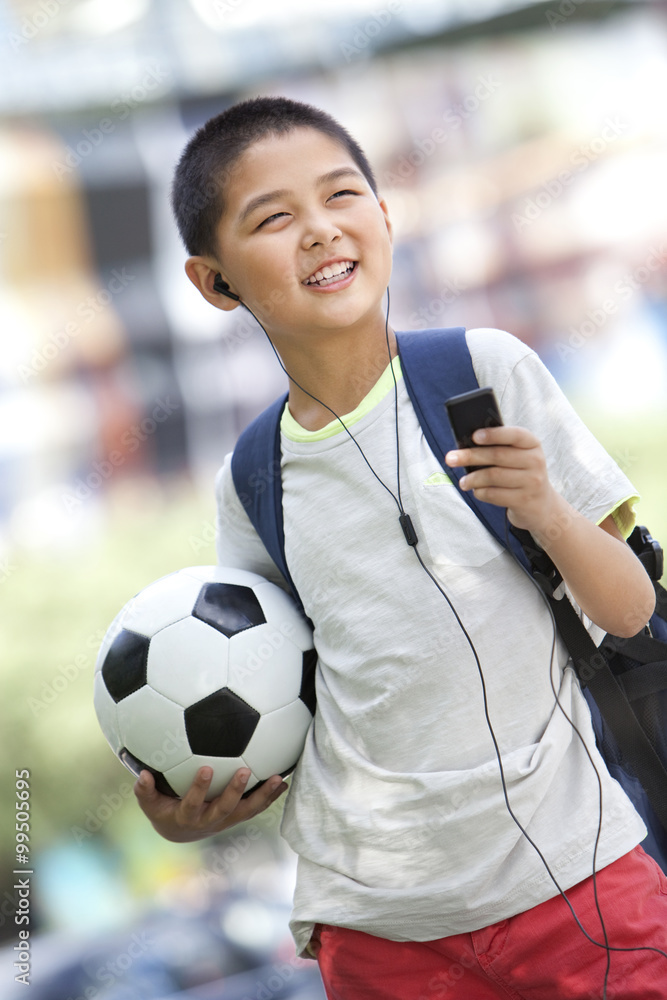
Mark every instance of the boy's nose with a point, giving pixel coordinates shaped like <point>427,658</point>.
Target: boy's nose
<point>320,231</point>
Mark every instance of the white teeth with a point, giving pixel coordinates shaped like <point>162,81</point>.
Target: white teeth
<point>330,272</point>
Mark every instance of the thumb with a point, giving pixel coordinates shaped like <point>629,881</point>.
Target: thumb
<point>144,787</point>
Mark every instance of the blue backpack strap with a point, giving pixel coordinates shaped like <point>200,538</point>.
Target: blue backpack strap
<point>436,365</point>
<point>256,473</point>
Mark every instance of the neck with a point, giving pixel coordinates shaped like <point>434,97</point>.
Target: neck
<point>339,371</point>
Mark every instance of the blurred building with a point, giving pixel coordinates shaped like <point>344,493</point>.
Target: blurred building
<point>521,146</point>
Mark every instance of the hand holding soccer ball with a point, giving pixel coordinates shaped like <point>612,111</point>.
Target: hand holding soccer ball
<point>193,817</point>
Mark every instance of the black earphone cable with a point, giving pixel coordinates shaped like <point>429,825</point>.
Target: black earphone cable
<point>598,834</point>
<point>609,948</point>
<point>498,753</point>
<point>412,540</point>
<point>397,499</point>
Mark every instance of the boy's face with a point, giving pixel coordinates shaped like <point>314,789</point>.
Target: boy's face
<point>295,205</point>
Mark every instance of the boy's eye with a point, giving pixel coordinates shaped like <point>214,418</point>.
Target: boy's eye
<point>339,193</point>
<point>277,215</point>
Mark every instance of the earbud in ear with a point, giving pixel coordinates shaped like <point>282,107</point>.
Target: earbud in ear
<point>221,286</point>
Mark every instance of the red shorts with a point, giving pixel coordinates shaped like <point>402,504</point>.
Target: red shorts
<point>537,955</point>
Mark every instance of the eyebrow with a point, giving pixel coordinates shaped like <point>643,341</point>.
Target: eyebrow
<point>269,196</point>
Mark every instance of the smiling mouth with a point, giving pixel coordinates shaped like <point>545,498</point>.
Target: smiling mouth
<point>331,274</point>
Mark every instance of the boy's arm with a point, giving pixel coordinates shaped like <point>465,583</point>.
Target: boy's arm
<point>605,577</point>
<point>237,541</point>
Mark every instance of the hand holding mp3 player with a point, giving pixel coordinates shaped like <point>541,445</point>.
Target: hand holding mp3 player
<point>517,476</point>
<point>468,413</point>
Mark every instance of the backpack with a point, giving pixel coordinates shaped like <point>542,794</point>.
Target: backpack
<point>624,680</point>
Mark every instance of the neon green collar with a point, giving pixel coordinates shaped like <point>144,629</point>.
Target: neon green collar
<point>295,432</point>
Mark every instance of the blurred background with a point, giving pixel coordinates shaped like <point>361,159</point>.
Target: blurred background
<point>522,149</point>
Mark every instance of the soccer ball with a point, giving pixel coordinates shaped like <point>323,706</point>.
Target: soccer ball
<point>209,665</point>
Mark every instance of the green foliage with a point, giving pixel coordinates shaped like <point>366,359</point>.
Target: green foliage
<point>56,610</point>
<point>638,443</point>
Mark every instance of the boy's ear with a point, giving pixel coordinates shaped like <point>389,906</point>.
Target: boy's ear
<point>385,211</point>
<point>202,272</point>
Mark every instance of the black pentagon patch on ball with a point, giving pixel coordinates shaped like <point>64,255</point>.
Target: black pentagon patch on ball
<point>228,608</point>
<point>220,725</point>
<point>307,692</point>
<point>136,766</point>
<point>124,669</point>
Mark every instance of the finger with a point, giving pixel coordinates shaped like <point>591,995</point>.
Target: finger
<point>267,794</point>
<point>494,495</point>
<point>229,798</point>
<point>282,787</point>
<point>275,795</point>
<point>144,786</point>
<point>469,457</point>
<point>497,455</point>
<point>497,477</point>
<point>147,795</point>
<point>260,798</point>
<point>511,499</point>
<point>195,796</point>
<point>517,437</point>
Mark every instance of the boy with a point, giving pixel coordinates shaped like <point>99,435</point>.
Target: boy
<point>413,879</point>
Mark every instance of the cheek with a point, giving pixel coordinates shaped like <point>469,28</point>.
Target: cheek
<point>270,285</point>
<point>377,236</point>
<point>385,256</point>
<point>264,271</point>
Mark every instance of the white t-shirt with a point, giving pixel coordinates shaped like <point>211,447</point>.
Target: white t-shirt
<point>396,807</point>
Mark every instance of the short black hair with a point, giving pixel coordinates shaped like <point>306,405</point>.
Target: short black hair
<point>197,195</point>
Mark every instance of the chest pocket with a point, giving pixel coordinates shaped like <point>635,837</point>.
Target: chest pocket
<point>451,531</point>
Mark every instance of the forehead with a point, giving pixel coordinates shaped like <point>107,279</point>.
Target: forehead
<point>291,161</point>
